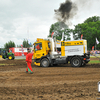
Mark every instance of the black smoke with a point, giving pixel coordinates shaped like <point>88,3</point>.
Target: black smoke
<point>66,11</point>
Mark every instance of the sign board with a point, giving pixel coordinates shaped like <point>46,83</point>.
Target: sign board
<point>20,49</point>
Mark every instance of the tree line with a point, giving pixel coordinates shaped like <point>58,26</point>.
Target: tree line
<point>10,44</point>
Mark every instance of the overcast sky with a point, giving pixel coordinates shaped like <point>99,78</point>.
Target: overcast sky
<point>31,19</point>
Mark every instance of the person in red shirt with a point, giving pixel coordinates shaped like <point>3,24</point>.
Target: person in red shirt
<point>29,61</point>
<point>38,47</point>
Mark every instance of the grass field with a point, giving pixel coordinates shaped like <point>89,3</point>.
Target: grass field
<point>94,61</point>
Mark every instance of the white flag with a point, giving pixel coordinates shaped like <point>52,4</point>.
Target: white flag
<point>29,42</point>
<point>97,41</point>
<point>62,36</point>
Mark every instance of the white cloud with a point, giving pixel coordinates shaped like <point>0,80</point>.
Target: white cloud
<point>5,3</point>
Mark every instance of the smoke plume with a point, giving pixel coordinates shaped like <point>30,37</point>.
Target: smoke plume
<point>66,11</point>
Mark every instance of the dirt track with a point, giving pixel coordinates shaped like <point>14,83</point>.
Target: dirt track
<point>52,83</point>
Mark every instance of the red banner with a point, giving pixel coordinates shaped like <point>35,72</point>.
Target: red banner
<point>52,34</point>
<point>92,47</point>
<point>81,36</point>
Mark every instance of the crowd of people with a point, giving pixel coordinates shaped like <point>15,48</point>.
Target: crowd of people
<point>95,52</point>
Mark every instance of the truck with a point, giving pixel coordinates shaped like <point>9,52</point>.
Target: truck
<point>6,55</point>
<point>74,52</point>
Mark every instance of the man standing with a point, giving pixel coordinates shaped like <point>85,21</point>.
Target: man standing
<point>29,61</point>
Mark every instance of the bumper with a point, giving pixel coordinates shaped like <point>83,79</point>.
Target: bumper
<point>37,64</point>
<point>87,60</point>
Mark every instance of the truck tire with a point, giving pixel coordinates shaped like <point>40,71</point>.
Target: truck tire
<point>76,62</point>
<point>45,62</point>
<point>10,57</point>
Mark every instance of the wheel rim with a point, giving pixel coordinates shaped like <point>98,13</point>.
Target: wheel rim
<point>76,62</point>
<point>44,63</point>
<point>10,57</point>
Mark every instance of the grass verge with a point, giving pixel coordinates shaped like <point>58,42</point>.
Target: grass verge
<point>94,61</point>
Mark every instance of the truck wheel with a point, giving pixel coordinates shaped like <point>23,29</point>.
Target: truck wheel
<point>10,57</point>
<point>44,62</point>
<point>76,62</point>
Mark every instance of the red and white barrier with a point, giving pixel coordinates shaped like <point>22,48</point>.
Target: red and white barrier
<point>18,51</point>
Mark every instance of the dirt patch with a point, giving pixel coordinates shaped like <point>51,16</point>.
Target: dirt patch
<point>97,58</point>
<point>61,82</point>
<point>1,58</point>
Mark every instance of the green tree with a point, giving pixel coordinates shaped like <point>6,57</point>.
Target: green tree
<point>9,45</point>
<point>58,28</point>
<point>90,30</point>
<point>19,46</point>
<point>26,44</point>
<point>92,19</point>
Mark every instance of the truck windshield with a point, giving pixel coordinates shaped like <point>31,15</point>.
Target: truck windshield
<point>38,46</point>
